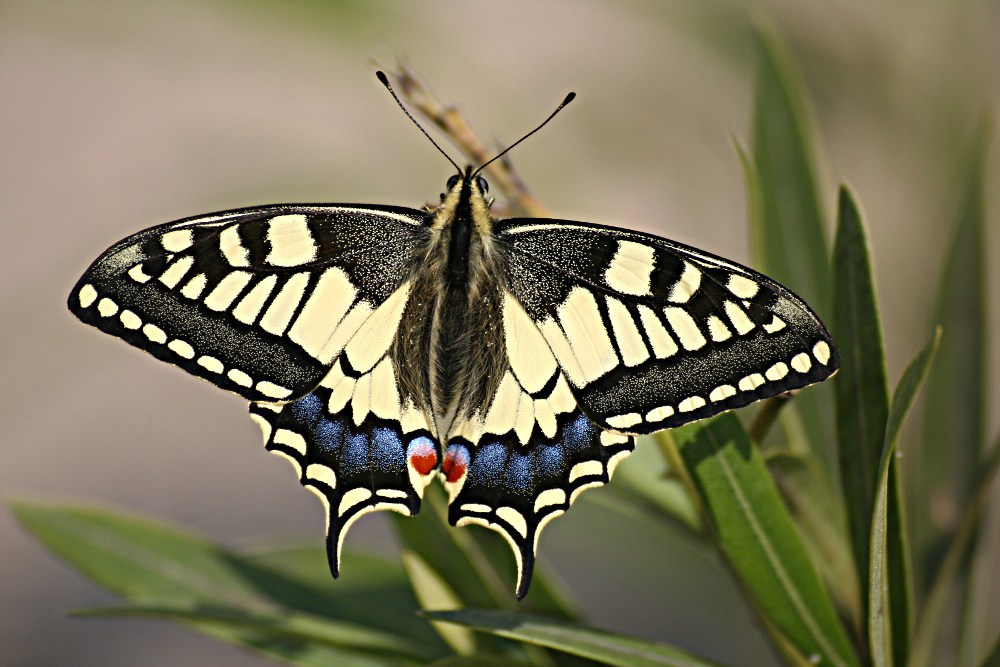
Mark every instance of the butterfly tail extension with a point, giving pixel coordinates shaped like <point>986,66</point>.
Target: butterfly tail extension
<point>516,489</point>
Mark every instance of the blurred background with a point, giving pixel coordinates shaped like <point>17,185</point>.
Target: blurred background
<point>117,115</point>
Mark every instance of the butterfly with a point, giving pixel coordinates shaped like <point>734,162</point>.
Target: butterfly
<point>516,360</point>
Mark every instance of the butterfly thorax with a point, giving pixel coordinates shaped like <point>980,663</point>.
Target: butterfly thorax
<point>451,339</point>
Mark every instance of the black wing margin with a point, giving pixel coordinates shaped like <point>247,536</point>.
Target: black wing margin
<point>258,301</point>
<point>653,334</point>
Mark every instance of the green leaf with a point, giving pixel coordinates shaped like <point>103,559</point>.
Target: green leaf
<point>861,387</point>
<point>787,236</point>
<point>788,240</point>
<point>606,647</point>
<point>889,587</point>
<point>476,562</point>
<point>993,658</point>
<point>953,437</point>
<point>759,539</point>
<point>478,660</point>
<point>355,642</point>
<point>433,592</point>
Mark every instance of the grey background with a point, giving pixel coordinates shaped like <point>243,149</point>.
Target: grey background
<point>117,115</point>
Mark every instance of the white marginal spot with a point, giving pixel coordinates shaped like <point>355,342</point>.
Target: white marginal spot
<point>87,296</point>
<point>194,287</point>
<point>684,326</point>
<point>740,320</point>
<point>721,393</point>
<point>273,390</point>
<point>137,274</point>
<point>801,362</point>
<point>550,497</point>
<point>249,307</point>
<point>776,325</point>
<point>277,316</point>
<point>154,333</point>
<point>182,348</point>
<point>391,493</point>
<point>211,364</point>
<point>580,489</point>
<point>177,240</point>
<point>659,414</point>
<point>232,248</point>
<point>624,421</point>
<point>292,243</point>
<point>106,307</point>
<point>327,304</point>
<point>295,464</point>
<point>292,439</point>
<point>176,271</point>
<point>130,320</point>
<point>609,438</point>
<point>663,343</point>
<point>691,403</point>
<point>822,352</point>
<point>265,427</point>
<point>751,382</point>
<point>741,286</point>
<point>630,269</point>
<point>528,354</point>
<point>352,498</point>
<point>615,460</point>
<point>478,508</point>
<point>227,290</point>
<point>776,372</point>
<point>585,469</point>
<point>322,473</point>
<point>717,330</point>
<point>374,337</point>
<point>240,378</point>
<point>626,332</point>
<point>686,285</point>
<point>581,320</point>
<point>515,519</point>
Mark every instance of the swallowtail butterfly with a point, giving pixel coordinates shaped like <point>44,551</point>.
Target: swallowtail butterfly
<point>516,359</point>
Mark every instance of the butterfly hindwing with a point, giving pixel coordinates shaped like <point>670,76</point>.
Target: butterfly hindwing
<point>258,301</point>
<point>653,334</point>
<point>523,457</point>
<point>355,444</point>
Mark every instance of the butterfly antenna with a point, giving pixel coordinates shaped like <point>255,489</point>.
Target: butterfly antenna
<point>385,82</point>
<point>569,98</point>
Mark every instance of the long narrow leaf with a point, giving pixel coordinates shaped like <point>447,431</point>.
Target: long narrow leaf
<point>951,451</point>
<point>787,222</point>
<point>759,539</point>
<point>352,640</point>
<point>607,647</point>
<point>888,593</point>
<point>861,387</point>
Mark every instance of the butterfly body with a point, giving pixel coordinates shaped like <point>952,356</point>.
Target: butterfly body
<point>515,359</point>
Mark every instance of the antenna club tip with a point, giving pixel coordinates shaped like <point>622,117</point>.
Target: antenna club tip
<point>380,75</point>
<point>569,98</point>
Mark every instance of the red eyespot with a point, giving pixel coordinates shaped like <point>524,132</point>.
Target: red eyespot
<point>456,463</point>
<point>423,456</point>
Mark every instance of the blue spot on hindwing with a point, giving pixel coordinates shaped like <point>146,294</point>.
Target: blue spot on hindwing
<point>387,450</point>
<point>519,472</point>
<point>488,464</point>
<point>578,434</point>
<point>307,410</point>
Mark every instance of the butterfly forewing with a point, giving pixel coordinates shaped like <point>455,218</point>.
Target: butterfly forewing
<point>653,334</point>
<point>258,301</point>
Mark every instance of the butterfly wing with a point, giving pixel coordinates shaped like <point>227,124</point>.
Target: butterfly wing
<point>652,334</point>
<point>521,458</point>
<point>257,301</point>
<point>296,309</point>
